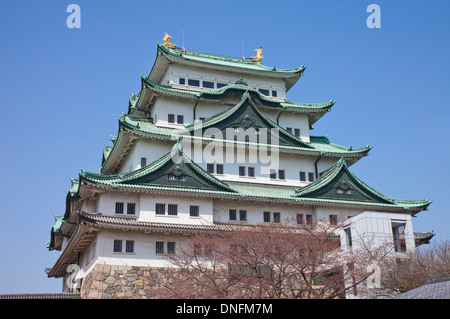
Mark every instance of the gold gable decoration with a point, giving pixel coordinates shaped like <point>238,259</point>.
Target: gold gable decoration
<point>258,56</point>
<point>167,43</point>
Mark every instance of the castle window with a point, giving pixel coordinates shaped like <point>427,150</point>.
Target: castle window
<point>276,217</point>
<point>171,247</point>
<point>273,174</point>
<point>159,247</point>
<point>348,238</point>
<point>129,246</point>
<point>302,176</point>
<point>289,130</point>
<point>333,219</point>
<point>300,219</point>
<point>221,85</point>
<point>171,118</point>
<point>274,93</point>
<point>309,219</point>
<point>264,91</point>
<point>143,161</point>
<point>266,217</point>
<point>119,208</point>
<point>194,211</point>
<point>172,209</point>
<point>180,119</point>
<point>251,171</point>
<point>131,208</point>
<point>193,82</point>
<point>232,214</point>
<point>209,85</point>
<point>297,132</point>
<point>160,209</point>
<point>311,177</point>
<point>242,215</point>
<point>210,168</point>
<point>219,168</point>
<point>241,170</point>
<point>281,174</point>
<point>181,81</point>
<point>117,246</point>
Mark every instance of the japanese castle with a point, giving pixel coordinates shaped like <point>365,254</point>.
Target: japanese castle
<point>211,140</point>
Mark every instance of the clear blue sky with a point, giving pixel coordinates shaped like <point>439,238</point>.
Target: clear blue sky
<point>62,91</point>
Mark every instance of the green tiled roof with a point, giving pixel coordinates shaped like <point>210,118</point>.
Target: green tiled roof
<point>225,60</point>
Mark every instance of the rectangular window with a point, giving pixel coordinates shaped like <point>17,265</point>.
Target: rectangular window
<point>119,208</point>
<point>171,118</point>
<point>219,168</point>
<point>398,231</point>
<point>160,209</point>
<point>274,93</point>
<point>300,219</point>
<point>117,246</point>
<point>194,211</point>
<point>266,216</point>
<point>281,174</point>
<point>309,219</point>
<point>276,217</point>
<point>193,82</point>
<point>251,171</point>
<point>242,215</point>
<point>181,81</point>
<point>264,91</point>
<point>170,247</point>
<point>129,246</point>
<point>210,168</point>
<point>297,132</point>
<point>232,214</point>
<point>209,85</point>
<point>289,129</point>
<point>333,219</point>
<point>159,247</point>
<point>143,161</point>
<point>221,85</point>
<point>273,174</point>
<point>180,119</point>
<point>131,208</point>
<point>241,170</point>
<point>172,209</point>
<point>302,176</point>
<point>348,238</point>
<point>311,177</point>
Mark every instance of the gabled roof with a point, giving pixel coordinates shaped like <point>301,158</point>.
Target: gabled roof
<point>174,170</point>
<point>245,115</point>
<point>338,183</point>
<point>165,55</point>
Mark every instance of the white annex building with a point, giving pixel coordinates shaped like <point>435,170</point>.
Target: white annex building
<point>208,140</point>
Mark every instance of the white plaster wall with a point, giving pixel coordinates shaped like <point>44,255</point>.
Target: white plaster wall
<point>167,105</point>
<point>107,202</point>
<point>174,72</point>
<point>376,228</point>
<point>148,204</point>
<point>255,211</point>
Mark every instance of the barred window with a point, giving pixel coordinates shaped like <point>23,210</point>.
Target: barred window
<point>131,208</point>
<point>311,177</point>
<point>171,118</point>
<point>302,176</point>
<point>129,246</point>
<point>159,249</point>
<point>276,217</point>
<point>266,216</point>
<point>171,247</point>
<point>117,246</point>
<point>281,174</point>
<point>172,209</point>
<point>242,215</point>
<point>219,168</point>
<point>119,208</point>
<point>194,211</point>
<point>232,214</point>
<point>160,209</point>
<point>251,171</point>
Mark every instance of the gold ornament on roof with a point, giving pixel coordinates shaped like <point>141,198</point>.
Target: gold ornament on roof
<point>258,56</point>
<point>167,43</point>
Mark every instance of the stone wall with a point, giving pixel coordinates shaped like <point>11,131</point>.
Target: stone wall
<point>120,282</point>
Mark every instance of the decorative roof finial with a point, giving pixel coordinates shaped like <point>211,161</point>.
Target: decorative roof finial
<point>167,43</point>
<point>258,56</point>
